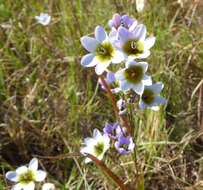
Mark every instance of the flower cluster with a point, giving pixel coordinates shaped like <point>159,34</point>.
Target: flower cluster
<point>126,45</point>
<point>100,142</point>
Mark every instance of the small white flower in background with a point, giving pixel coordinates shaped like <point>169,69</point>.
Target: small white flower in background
<point>133,77</point>
<point>140,5</point>
<point>26,176</point>
<point>43,19</point>
<point>96,146</point>
<point>150,97</point>
<point>48,186</point>
<point>102,52</point>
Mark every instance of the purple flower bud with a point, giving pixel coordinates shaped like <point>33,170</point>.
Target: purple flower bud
<point>118,20</point>
<point>124,145</point>
<point>114,130</point>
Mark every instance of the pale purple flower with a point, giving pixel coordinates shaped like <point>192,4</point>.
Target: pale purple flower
<point>113,130</point>
<point>124,145</point>
<point>150,97</point>
<point>102,51</point>
<point>43,19</point>
<point>133,77</point>
<point>134,43</point>
<point>121,20</point>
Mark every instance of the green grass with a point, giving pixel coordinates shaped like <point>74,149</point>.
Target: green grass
<point>49,103</point>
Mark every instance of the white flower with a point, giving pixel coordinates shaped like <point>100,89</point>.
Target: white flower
<point>43,19</point>
<point>48,186</point>
<point>150,97</point>
<point>140,5</point>
<point>133,77</point>
<point>102,52</point>
<point>26,176</point>
<point>134,43</point>
<point>96,146</point>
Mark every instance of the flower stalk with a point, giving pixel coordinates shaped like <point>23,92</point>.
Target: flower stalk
<point>116,110</point>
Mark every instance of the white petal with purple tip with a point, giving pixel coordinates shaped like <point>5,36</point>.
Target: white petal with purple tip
<point>12,176</point>
<point>157,87</point>
<point>33,165</point>
<point>88,60</point>
<point>89,43</point>
<point>100,34</point>
<point>124,34</point>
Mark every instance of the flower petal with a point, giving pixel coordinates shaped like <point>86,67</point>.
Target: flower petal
<point>21,170</point>
<point>160,100</point>
<point>138,88</point>
<point>18,186</point>
<point>130,63</point>
<point>147,80</point>
<point>118,57</point>
<point>100,34</point>
<point>157,87</point>
<point>125,85</point>
<point>88,60</point>
<point>144,66</point>
<point>140,32</point>
<point>12,176</point>
<point>89,43</point>
<point>149,42</point>
<point>119,75</point>
<point>142,105</point>
<point>144,55</point>
<point>29,186</point>
<point>89,141</point>
<point>101,67</point>
<point>124,34</point>
<point>97,134</point>
<point>40,175</point>
<point>33,165</point>
<point>48,186</point>
<point>87,149</point>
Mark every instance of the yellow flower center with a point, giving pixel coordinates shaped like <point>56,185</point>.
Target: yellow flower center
<point>99,148</point>
<point>104,51</point>
<point>26,177</point>
<point>133,47</point>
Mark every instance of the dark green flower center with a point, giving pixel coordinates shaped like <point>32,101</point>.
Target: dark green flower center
<point>26,177</point>
<point>99,148</point>
<point>104,51</point>
<point>133,47</point>
<point>148,96</point>
<point>124,146</point>
<point>134,74</point>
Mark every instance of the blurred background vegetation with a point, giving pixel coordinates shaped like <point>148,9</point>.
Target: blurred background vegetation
<point>49,103</point>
